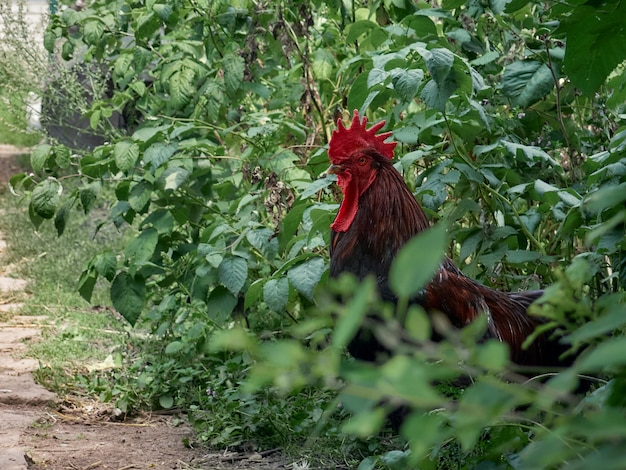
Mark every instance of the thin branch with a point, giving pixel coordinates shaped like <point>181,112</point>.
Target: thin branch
<point>559,111</point>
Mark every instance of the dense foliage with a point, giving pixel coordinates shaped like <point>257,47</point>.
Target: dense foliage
<point>510,117</point>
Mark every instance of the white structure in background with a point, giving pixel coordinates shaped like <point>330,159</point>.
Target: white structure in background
<point>37,11</point>
<point>36,16</point>
<point>33,111</point>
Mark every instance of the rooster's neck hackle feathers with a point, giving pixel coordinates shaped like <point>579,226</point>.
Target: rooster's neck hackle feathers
<point>346,142</point>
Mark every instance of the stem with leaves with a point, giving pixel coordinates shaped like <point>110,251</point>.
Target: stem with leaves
<point>533,240</point>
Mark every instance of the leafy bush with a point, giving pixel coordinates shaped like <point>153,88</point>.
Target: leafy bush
<point>506,134</point>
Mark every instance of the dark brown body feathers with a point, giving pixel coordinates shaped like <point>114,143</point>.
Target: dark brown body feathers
<point>388,216</point>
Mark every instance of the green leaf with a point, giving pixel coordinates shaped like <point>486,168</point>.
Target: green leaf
<point>617,83</point>
<point>618,141</point>
<point>45,198</point>
<point>407,82</point>
<point>49,41</point>
<point>138,87</point>
<point>150,133</point>
<point>416,263</point>
<point>164,11</point>
<point>35,219</point>
<point>480,406</point>
<point>305,277</point>
<point>452,4</point>
<point>358,28</point>
<point>264,240</point>
<point>407,134</point>
<point>174,347</point>
<point>596,43</point>
<point>86,283</point>
<point>173,178</point>
<point>105,264</point>
<point>181,87</point>
<point>62,216</point>
<point>429,426</point>
<point>605,198</point>
<point>128,295</point>
<point>317,185</point>
<point>526,82</point>
<point>605,356</point>
<point>323,64</point>
<point>88,196</point>
<point>608,322</point>
<point>320,219</point>
<point>515,5</point>
<point>368,463</point>
<point>126,154</point>
<point>139,196</point>
<point>423,26</point>
<point>486,58</point>
<point>366,423</point>
<point>158,153</point>
<point>233,272</point>
<point>436,95</point>
<point>166,401</point>
<point>235,339</point>
<point>493,355</point>
<point>443,84</point>
<point>122,70</point>
<point>39,157</point>
<point>522,256</point>
<point>67,50</point>
<point>352,317</point>
<point>93,29</point>
<point>221,304</point>
<point>160,219</point>
<point>291,222</point>
<point>62,156</point>
<point>253,294</point>
<point>20,181</point>
<point>233,73</point>
<point>147,25</point>
<point>359,92</point>
<point>528,152</point>
<point>417,324</point>
<point>395,459</point>
<point>276,293</point>
<point>439,63</point>
<point>141,248</point>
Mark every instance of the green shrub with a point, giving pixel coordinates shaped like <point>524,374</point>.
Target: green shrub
<point>506,133</point>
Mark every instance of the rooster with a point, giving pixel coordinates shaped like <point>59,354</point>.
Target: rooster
<point>378,215</point>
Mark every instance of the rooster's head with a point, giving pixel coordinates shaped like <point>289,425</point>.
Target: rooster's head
<point>355,154</point>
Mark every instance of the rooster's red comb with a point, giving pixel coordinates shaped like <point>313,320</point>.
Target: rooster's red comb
<point>344,142</point>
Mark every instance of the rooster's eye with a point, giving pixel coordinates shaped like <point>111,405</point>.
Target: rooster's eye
<point>362,160</point>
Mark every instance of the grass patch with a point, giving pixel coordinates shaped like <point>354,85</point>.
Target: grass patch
<point>76,333</point>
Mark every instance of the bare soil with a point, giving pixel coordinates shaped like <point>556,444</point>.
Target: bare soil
<point>73,439</point>
<point>39,430</point>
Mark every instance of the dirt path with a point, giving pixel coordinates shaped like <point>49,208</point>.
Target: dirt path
<point>20,398</point>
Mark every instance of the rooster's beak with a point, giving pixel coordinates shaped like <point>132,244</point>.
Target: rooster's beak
<point>334,169</point>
